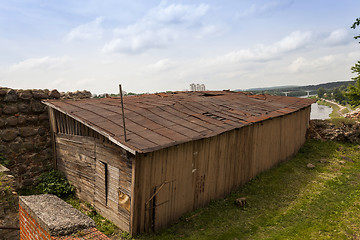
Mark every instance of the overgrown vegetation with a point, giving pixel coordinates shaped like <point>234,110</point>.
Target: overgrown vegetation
<point>52,182</point>
<point>102,224</point>
<point>341,121</point>
<point>354,91</point>
<point>4,161</point>
<point>290,201</point>
<point>6,192</point>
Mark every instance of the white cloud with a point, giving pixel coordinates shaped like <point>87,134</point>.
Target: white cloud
<point>354,55</point>
<point>88,31</point>
<point>259,10</point>
<point>338,37</point>
<point>139,41</point>
<point>158,28</point>
<point>160,66</point>
<point>44,63</point>
<point>294,41</point>
<point>210,30</point>
<point>303,65</point>
<point>177,13</point>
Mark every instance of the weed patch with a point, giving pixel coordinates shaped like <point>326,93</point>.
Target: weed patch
<point>52,182</point>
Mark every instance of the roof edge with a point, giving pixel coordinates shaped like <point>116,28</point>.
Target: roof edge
<point>149,150</point>
<point>133,151</point>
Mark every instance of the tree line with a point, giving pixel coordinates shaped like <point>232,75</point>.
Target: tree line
<point>351,94</point>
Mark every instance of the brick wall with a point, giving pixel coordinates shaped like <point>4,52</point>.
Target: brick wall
<point>29,228</point>
<point>48,217</point>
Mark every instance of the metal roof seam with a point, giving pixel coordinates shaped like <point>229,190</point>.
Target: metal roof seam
<point>155,129</point>
<point>195,116</point>
<point>176,122</point>
<point>216,111</point>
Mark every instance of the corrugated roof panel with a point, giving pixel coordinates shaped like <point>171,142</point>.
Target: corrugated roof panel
<point>155,121</point>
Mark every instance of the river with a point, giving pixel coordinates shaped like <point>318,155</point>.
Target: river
<point>320,111</point>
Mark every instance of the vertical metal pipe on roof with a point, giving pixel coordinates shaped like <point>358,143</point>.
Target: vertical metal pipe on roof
<point>122,108</point>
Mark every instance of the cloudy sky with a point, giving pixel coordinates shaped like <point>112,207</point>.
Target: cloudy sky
<point>153,46</point>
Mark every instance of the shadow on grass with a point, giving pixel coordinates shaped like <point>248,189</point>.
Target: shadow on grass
<point>289,201</point>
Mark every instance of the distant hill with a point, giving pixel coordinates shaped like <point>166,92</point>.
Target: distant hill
<point>299,90</point>
<point>269,88</point>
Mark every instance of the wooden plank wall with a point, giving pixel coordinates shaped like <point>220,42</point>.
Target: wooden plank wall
<point>119,173</point>
<point>193,173</point>
<point>76,158</point>
<point>100,170</point>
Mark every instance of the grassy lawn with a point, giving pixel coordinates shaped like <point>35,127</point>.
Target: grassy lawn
<point>289,201</point>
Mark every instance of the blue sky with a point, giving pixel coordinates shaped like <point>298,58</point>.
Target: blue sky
<point>153,46</point>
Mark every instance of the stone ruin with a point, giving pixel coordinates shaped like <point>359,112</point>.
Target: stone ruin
<point>25,141</point>
<point>344,131</point>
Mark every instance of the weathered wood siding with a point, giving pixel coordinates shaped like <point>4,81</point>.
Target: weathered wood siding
<point>76,158</point>
<point>172,181</point>
<point>117,182</point>
<point>100,171</point>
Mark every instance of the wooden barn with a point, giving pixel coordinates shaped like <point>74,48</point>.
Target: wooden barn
<point>182,149</point>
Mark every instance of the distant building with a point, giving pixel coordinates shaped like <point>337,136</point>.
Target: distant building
<point>197,87</point>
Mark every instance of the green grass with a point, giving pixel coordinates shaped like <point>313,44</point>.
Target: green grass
<point>340,121</point>
<point>102,224</point>
<point>4,161</point>
<point>289,201</point>
<point>6,194</point>
<point>336,113</point>
<point>345,111</point>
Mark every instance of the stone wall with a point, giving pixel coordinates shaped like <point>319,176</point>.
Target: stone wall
<point>25,141</point>
<point>8,206</point>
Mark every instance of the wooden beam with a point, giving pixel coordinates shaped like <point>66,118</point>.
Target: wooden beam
<point>52,132</point>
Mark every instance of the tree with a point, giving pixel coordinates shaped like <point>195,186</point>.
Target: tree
<point>320,92</point>
<point>353,93</point>
<point>338,95</point>
<point>354,90</point>
<point>355,24</point>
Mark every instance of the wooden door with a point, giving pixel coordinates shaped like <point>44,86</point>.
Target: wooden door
<point>101,183</point>
<point>163,204</point>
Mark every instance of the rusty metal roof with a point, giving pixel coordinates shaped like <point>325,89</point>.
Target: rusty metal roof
<point>156,121</point>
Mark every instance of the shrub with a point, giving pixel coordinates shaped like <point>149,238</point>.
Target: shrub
<point>4,161</point>
<point>54,182</point>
